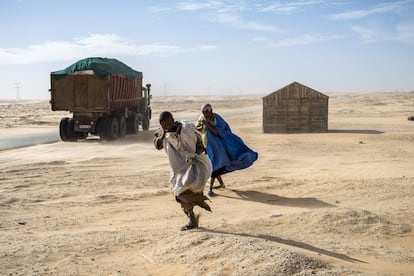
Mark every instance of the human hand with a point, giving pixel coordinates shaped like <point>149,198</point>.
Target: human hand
<point>191,158</point>
<point>160,133</point>
<point>206,122</point>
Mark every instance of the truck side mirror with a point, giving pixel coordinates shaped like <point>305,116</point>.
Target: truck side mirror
<point>148,85</point>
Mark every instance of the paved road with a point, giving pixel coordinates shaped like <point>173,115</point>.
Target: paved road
<point>45,137</point>
<point>29,139</point>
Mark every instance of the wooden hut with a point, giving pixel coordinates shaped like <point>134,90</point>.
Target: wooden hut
<point>295,108</point>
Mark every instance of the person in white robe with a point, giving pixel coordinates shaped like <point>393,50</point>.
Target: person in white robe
<point>190,167</point>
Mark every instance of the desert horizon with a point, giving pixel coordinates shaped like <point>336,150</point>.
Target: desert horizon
<point>334,203</point>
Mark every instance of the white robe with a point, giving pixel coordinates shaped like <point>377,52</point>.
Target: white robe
<point>188,170</point>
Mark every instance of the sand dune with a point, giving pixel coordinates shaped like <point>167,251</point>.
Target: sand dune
<point>336,203</point>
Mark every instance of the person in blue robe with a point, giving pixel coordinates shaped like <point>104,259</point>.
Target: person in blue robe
<point>226,150</point>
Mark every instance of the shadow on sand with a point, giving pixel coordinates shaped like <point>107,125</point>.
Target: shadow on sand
<point>304,202</point>
<point>297,244</point>
<point>284,201</point>
<point>358,131</point>
<point>140,137</point>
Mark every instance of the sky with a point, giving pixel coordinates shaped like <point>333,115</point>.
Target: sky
<point>214,47</point>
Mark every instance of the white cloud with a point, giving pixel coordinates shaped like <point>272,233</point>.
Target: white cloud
<point>194,6</point>
<point>303,40</point>
<point>260,39</point>
<point>405,33</point>
<point>288,8</point>
<point>91,45</point>
<point>366,34</point>
<point>158,9</point>
<point>225,14</point>
<point>378,9</point>
<point>402,33</point>
<point>236,21</point>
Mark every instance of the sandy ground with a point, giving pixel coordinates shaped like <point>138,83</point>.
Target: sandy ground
<point>336,203</point>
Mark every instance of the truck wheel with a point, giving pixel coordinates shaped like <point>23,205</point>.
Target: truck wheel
<point>146,123</point>
<point>112,128</point>
<point>63,126</point>
<point>70,130</point>
<point>122,126</point>
<point>133,124</point>
<point>81,135</point>
<point>101,128</point>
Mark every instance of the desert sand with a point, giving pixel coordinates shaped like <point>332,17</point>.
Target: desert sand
<point>336,203</point>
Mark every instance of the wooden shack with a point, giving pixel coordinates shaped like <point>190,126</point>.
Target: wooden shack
<point>295,108</point>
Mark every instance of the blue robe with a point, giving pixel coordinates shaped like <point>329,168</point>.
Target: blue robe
<point>227,151</point>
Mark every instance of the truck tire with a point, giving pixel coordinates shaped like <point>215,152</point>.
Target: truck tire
<point>63,129</point>
<point>146,123</point>
<point>101,128</point>
<point>112,128</point>
<point>70,130</point>
<point>81,135</point>
<point>122,127</point>
<point>133,124</point>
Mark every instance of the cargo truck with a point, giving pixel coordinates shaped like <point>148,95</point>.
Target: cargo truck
<point>105,96</point>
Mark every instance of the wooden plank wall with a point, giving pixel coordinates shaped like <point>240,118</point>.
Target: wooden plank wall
<point>295,109</point>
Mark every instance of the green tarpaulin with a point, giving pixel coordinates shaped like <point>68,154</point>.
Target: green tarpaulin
<point>101,66</point>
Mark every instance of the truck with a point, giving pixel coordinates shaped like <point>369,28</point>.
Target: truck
<point>105,97</point>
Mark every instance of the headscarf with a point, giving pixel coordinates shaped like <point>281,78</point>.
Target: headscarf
<point>206,107</point>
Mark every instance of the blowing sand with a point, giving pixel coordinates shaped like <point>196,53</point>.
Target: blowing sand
<point>336,203</point>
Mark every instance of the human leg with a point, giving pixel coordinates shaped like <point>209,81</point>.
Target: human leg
<point>221,182</point>
<point>188,211</point>
<point>192,223</point>
<point>210,191</point>
<point>188,200</point>
<point>217,174</point>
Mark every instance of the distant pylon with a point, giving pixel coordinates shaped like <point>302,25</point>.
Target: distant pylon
<point>17,91</point>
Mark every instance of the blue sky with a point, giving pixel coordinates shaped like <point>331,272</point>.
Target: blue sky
<point>212,47</point>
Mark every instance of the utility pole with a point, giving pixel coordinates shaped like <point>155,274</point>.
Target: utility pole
<point>17,91</point>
